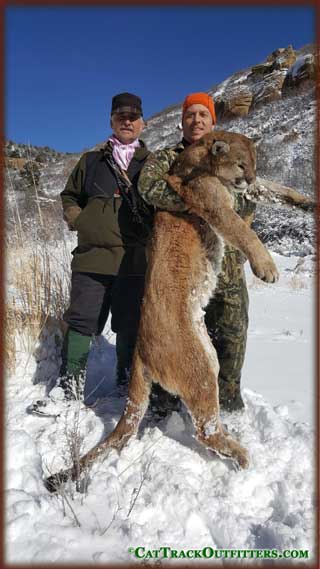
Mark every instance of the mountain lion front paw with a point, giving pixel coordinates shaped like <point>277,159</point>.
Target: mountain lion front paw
<point>264,268</point>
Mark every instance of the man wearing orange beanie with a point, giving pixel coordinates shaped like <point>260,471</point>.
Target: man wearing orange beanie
<point>227,313</point>
<point>199,99</point>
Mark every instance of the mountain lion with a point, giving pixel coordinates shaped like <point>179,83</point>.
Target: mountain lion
<point>184,259</point>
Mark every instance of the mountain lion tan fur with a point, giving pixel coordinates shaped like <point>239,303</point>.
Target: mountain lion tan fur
<point>184,258</point>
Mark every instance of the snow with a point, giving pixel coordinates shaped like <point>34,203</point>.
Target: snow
<point>280,360</point>
<point>165,489</point>
<point>285,133</point>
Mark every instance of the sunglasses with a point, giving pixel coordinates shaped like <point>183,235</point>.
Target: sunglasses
<point>127,116</point>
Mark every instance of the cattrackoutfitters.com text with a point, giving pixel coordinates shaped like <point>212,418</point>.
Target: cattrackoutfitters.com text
<point>211,553</point>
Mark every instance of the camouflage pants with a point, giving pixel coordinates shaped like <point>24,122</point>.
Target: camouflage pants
<point>227,323</point>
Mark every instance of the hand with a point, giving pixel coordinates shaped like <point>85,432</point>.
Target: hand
<point>70,215</point>
<point>173,181</point>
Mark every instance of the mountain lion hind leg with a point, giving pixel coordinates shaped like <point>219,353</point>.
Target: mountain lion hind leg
<point>203,405</point>
<point>272,193</point>
<point>198,381</point>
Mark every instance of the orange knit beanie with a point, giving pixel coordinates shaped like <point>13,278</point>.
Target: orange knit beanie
<point>200,99</point>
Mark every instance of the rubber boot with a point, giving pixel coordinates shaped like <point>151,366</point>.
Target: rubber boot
<point>75,354</point>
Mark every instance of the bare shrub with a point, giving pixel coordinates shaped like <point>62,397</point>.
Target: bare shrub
<point>10,327</point>
<point>136,491</point>
<point>38,283</point>
<point>298,282</point>
<point>29,209</point>
<point>40,289</point>
<point>73,450</point>
<point>75,440</point>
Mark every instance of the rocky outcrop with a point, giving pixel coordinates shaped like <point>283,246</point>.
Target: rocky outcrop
<point>42,154</point>
<point>261,84</point>
<point>238,104</point>
<point>15,163</point>
<point>281,58</point>
<point>269,89</point>
<point>301,72</point>
<point>273,103</point>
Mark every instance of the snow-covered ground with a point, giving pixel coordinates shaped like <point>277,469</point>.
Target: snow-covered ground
<point>165,489</point>
<point>280,360</point>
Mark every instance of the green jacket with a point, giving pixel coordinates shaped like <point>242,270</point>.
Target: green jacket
<point>155,191</point>
<point>110,241</point>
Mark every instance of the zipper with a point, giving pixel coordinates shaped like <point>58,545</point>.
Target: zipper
<point>103,194</point>
<point>99,188</point>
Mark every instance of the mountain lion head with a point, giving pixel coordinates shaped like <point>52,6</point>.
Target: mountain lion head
<point>231,157</point>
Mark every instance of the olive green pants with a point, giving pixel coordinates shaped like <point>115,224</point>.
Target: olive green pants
<point>226,320</point>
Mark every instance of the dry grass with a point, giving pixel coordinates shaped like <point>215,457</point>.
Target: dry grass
<point>39,291</point>
<point>10,340</point>
<point>298,282</point>
<point>38,281</point>
<point>38,277</point>
<point>38,274</point>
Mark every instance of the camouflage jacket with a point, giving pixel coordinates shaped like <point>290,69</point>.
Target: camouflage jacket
<point>155,191</point>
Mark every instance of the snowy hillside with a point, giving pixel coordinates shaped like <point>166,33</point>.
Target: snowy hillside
<point>164,489</point>
<point>272,102</point>
<point>282,121</point>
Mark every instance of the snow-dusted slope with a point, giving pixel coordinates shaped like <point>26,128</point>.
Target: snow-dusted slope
<point>164,489</point>
<point>284,130</point>
<point>279,99</point>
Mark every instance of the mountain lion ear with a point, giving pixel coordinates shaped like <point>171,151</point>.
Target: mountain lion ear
<point>220,147</point>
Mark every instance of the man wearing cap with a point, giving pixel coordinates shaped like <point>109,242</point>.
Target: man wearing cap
<point>101,202</point>
<point>226,315</point>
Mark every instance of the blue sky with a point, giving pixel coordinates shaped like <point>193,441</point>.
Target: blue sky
<point>64,64</point>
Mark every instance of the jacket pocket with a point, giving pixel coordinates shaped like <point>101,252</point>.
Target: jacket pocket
<point>98,224</point>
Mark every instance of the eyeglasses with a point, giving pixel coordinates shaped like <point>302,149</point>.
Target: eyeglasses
<point>126,116</point>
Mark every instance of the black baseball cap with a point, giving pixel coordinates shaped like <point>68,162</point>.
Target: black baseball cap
<point>126,103</point>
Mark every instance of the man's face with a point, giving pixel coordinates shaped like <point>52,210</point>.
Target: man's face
<point>196,122</point>
<point>127,127</point>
